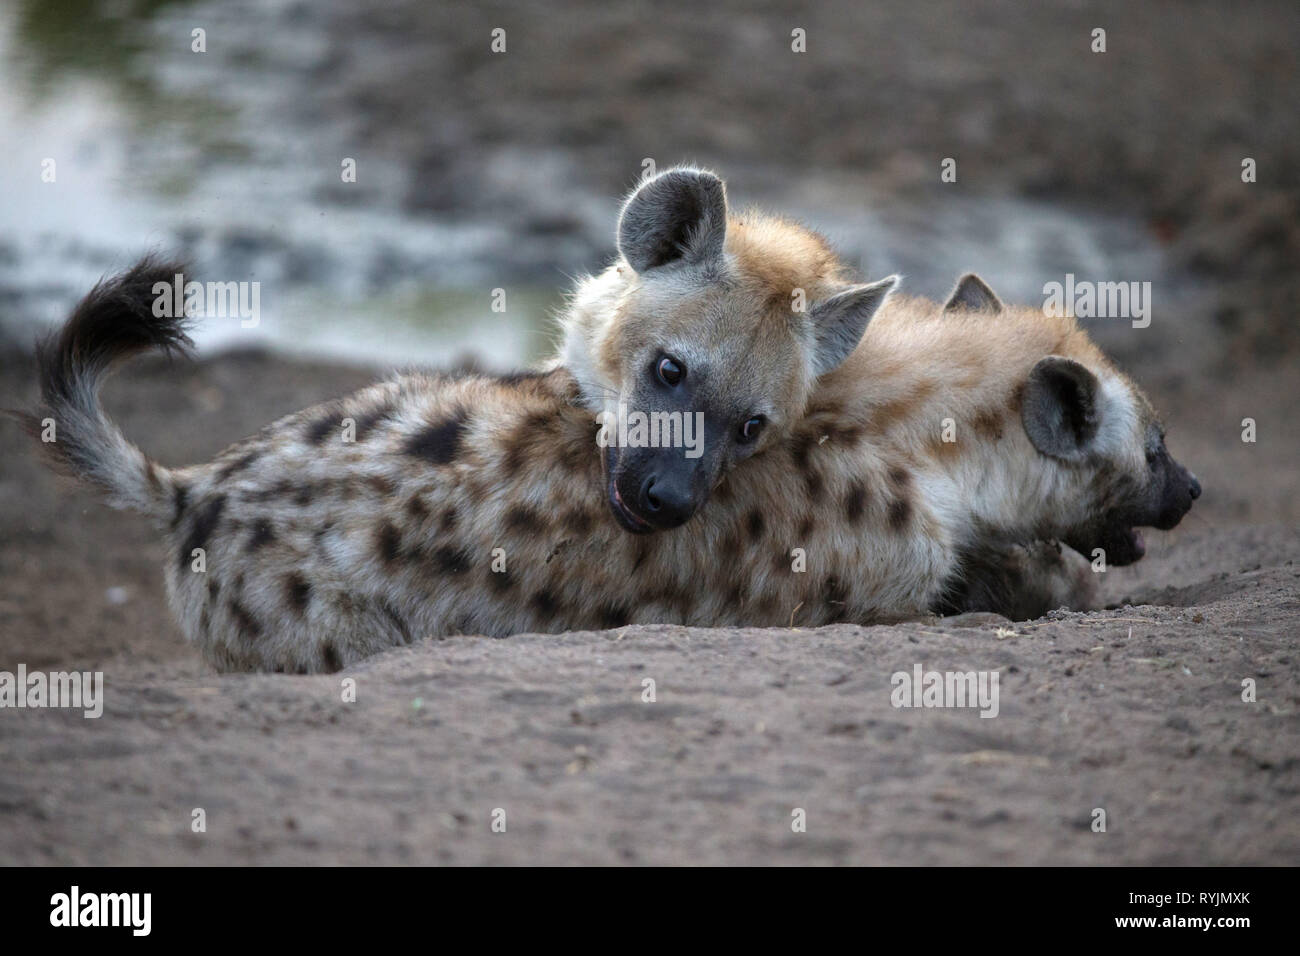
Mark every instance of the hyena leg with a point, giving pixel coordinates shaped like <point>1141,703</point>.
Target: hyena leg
<point>1023,582</point>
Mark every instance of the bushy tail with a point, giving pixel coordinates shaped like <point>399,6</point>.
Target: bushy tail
<point>113,322</point>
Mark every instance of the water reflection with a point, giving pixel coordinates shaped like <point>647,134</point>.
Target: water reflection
<point>222,157</point>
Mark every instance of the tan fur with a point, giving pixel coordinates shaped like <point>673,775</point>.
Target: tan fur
<point>478,504</point>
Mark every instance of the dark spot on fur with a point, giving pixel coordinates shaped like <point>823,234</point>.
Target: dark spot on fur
<point>855,502</point>
<point>524,519</point>
<point>439,443</point>
<point>529,438</point>
<point>380,485</point>
<point>298,590</point>
<point>501,581</point>
<point>451,560</point>
<point>317,431</point>
<point>544,602</point>
<point>388,542</point>
<point>205,621</point>
<point>263,534</point>
<point>614,615</point>
<point>280,489</point>
<point>899,477</point>
<point>180,496</point>
<point>201,528</point>
<point>214,588</point>
<point>416,508</point>
<point>1015,404</point>
<point>988,424</point>
<point>330,657</point>
<point>806,527</point>
<point>303,497</point>
<point>238,465</point>
<point>448,520</point>
<point>516,378</point>
<point>244,620</point>
<point>900,513</point>
<point>754,523</point>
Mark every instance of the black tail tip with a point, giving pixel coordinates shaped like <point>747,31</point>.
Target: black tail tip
<point>131,312</point>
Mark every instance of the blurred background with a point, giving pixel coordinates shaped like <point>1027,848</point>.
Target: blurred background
<point>479,170</point>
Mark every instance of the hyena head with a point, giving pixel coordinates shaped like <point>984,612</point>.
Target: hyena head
<point>1110,473</point>
<point>699,346</point>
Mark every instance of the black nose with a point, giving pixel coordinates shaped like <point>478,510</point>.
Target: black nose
<point>665,503</point>
<point>1194,488</point>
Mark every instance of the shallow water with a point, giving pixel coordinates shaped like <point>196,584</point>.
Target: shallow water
<point>213,156</point>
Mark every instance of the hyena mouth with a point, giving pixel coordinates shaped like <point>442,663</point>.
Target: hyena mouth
<point>628,519</point>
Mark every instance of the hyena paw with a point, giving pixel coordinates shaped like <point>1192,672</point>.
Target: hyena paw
<point>1056,576</point>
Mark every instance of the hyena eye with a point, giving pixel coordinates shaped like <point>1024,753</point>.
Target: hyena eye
<point>749,430</point>
<point>1156,447</point>
<point>669,371</point>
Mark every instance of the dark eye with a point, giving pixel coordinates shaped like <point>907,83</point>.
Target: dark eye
<point>749,430</point>
<point>669,371</point>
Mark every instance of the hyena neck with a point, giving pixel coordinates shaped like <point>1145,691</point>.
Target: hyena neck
<point>942,393</point>
<point>584,325</point>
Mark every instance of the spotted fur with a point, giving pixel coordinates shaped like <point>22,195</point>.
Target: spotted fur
<point>476,504</point>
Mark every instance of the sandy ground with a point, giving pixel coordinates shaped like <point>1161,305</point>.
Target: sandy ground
<point>1136,710</point>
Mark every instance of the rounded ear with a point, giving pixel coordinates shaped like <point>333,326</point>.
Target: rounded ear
<point>972,294</point>
<point>678,215</point>
<point>1060,408</point>
<point>839,322</point>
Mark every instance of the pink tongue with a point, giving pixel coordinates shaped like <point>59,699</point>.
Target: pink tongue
<point>1139,545</point>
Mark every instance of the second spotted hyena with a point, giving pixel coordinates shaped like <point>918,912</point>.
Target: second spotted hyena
<point>823,490</point>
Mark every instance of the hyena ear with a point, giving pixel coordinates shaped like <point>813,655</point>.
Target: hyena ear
<point>681,214</point>
<point>972,294</point>
<point>838,322</point>
<point>1060,408</point>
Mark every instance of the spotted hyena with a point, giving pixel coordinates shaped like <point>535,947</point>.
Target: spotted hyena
<point>821,487</point>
